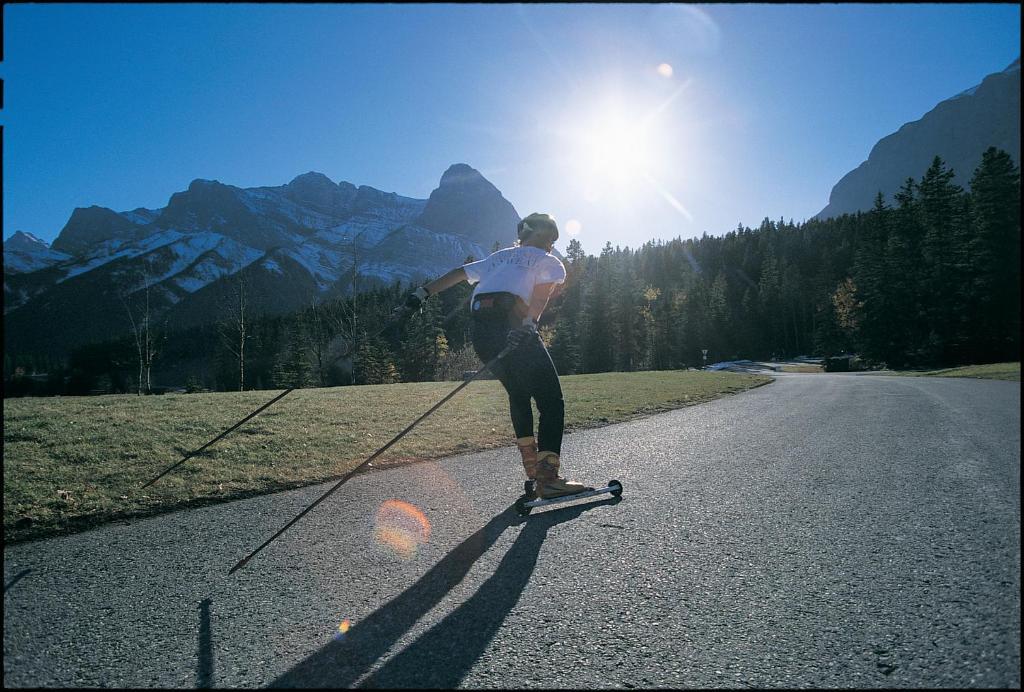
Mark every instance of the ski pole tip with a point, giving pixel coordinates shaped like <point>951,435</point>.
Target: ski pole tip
<point>240,565</point>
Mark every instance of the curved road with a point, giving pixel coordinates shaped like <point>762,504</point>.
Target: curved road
<point>821,531</point>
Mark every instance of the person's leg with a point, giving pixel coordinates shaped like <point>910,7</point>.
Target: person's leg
<point>490,334</point>
<point>542,383</point>
<point>541,380</point>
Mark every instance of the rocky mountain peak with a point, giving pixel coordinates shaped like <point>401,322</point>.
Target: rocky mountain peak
<point>90,226</point>
<point>23,252</point>
<point>319,192</point>
<point>202,197</point>
<point>465,202</point>
<point>311,179</point>
<point>462,174</point>
<point>21,241</point>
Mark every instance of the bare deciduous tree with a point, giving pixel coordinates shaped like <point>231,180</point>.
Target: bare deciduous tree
<point>147,338</point>
<point>332,327</point>
<point>331,333</point>
<point>234,329</point>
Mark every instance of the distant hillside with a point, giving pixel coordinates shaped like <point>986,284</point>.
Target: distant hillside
<point>958,130</point>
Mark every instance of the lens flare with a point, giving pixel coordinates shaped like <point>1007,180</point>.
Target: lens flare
<point>665,70</point>
<point>343,629</point>
<point>402,527</point>
<point>573,227</point>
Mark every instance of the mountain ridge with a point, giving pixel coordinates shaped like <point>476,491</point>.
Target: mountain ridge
<point>302,241</point>
<point>958,129</point>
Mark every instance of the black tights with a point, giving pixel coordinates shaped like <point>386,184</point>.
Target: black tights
<point>527,372</point>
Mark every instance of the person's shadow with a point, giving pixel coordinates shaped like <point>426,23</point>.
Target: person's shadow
<point>442,656</point>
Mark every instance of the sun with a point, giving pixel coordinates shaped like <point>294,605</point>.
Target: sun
<point>616,149</point>
<point>615,146</point>
<point>621,150</point>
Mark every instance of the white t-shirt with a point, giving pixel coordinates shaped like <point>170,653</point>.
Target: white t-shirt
<point>515,270</point>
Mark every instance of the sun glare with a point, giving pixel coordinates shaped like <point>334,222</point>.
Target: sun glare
<point>618,149</point>
<point>622,151</point>
<point>614,151</point>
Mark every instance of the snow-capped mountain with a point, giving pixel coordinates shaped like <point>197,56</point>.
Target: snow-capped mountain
<point>293,243</point>
<point>23,252</point>
<point>958,129</point>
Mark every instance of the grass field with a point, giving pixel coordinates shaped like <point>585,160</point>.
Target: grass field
<point>992,371</point>
<point>71,463</point>
<point>802,368</point>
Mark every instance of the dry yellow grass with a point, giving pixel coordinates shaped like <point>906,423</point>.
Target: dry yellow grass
<point>990,371</point>
<point>802,368</point>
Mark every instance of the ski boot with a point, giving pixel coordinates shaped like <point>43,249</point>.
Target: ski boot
<point>549,489</point>
<point>549,483</point>
<point>528,450</point>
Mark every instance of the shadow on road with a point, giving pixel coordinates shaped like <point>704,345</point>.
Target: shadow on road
<point>17,577</point>
<point>204,652</point>
<point>442,656</point>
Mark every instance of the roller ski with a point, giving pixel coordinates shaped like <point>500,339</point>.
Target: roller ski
<point>545,487</point>
<point>525,505</point>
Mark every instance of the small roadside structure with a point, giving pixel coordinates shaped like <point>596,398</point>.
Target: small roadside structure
<point>845,362</point>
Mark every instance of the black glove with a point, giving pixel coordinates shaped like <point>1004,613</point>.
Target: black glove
<point>521,334</point>
<point>414,300</point>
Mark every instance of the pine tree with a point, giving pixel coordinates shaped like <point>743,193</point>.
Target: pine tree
<point>424,345</point>
<point>625,314</point>
<point>292,368</point>
<point>374,363</point>
<point>995,258</point>
<point>769,292</point>
<point>650,357</point>
<point>872,281</point>
<point>695,333</point>
<point>574,252</point>
<point>566,314</point>
<point>599,344</point>
<point>940,215</point>
<point>719,318</point>
<point>565,348</point>
<point>905,269</point>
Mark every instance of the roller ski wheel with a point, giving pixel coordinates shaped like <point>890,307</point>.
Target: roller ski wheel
<point>528,502</point>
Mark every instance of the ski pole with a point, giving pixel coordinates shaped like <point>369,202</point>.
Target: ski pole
<point>264,407</point>
<point>373,456</point>
<point>197,451</point>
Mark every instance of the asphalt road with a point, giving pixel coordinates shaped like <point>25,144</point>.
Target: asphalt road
<point>821,531</point>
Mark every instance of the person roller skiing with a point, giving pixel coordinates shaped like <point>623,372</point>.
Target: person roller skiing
<point>513,287</point>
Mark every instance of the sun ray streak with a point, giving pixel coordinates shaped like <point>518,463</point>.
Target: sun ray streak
<point>543,45</point>
<point>664,104</point>
<point>675,203</point>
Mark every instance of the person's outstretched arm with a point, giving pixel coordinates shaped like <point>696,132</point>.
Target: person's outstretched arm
<point>443,283</point>
<point>415,299</point>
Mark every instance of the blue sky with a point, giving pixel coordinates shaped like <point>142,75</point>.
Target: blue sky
<point>627,122</point>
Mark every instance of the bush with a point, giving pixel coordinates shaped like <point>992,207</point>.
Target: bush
<point>455,364</point>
